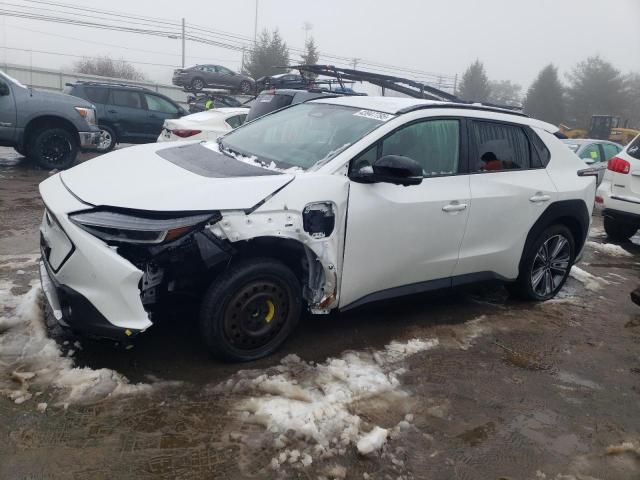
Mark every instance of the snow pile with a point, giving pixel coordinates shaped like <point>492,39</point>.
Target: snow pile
<point>590,282</point>
<point>31,362</point>
<point>252,160</point>
<point>316,404</point>
<point>609,249</point>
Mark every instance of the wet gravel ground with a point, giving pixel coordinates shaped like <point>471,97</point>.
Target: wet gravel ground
<point>514,391</point>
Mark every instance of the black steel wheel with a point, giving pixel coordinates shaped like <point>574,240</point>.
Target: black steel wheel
<point>54,148</point>
<point>250,310</point>
<point>546,264</point>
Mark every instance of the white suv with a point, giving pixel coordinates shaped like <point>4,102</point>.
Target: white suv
<point>329,204</point>
<point>619,193</point>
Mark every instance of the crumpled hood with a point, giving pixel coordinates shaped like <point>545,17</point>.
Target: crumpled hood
<point>180,176</point>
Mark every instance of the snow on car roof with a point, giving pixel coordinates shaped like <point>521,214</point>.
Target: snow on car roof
<point>395,105</point>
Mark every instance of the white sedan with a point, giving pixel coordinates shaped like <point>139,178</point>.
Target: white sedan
<point>207,125</point>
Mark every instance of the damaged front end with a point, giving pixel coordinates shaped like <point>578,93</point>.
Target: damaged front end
<point>176,253</point>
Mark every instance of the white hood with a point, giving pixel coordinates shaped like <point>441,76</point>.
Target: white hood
<point>139,178</point>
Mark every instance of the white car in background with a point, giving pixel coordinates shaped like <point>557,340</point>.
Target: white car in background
<point>326,205</point>
<point>207,125</point>
<point>619,193</point>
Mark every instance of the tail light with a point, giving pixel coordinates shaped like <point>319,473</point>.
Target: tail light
<point>599,199</point>
<point>184,133</point>
<point>618,165</point>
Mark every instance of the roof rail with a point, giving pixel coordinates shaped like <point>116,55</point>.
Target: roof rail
<point>108,84</point>
<point>465,106</point>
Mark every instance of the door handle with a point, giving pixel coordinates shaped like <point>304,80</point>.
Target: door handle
<point>454,207</point>
<point>153,116</point>
<point>112,111</point>
<point>540,197</point>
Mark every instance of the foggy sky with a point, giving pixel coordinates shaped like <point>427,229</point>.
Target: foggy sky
<point>514,38</point>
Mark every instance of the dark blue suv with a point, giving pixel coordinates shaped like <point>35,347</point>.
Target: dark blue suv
<point>126,113</point>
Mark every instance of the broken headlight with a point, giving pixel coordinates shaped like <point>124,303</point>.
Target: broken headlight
<point>116,227</point>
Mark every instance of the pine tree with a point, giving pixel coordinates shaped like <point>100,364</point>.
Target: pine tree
<point>545,98</point>
<point>310,55</point>
<point>505,92</point>
<point>474,86</point>
<point>268,54</point>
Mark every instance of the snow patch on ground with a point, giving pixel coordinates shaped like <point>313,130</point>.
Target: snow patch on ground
<point>315,401</point>
<point>609,249</point>
<point>31,362</point>
<point>590,282</point>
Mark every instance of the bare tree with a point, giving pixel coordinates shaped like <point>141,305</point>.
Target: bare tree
<point>107,67</point>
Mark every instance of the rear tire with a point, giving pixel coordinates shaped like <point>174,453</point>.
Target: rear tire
<point>618,231</point>
<point>245,87</point>
<point>53,148</point>
<point>545,265</point>
<point>249,311</point>
<point>109,139</point>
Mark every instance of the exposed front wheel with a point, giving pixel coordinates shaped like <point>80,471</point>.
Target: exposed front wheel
<point>250,310</point>
<point>546,264</point>
<point>53,148</point>
<point>618,231</point>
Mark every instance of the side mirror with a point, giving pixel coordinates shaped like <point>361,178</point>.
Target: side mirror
<point>394,169</point>
<point>4,90</point>
<point>588,160</point>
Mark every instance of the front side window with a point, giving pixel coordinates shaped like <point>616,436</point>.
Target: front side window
<point>591,153</point>
<point>304,135</point>
<point>126,98</point>
<point>159,104</point>
<point>499,147</point>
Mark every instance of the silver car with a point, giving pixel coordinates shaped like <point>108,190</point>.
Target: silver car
<point>595,153</point>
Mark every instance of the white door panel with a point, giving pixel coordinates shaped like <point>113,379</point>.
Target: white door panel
<point>504,207</point>
<point>398,236</point>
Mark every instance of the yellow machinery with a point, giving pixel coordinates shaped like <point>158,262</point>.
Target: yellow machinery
<point>603,127</point>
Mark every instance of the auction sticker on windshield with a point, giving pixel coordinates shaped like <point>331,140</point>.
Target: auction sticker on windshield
<point>383,117</point>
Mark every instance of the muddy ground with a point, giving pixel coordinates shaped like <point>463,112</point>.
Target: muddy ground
<point>512,390</point>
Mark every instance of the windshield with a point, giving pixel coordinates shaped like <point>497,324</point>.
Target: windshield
<point>11,79</point>
<point>304,135</point>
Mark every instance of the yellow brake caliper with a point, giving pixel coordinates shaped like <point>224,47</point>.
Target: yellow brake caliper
<point>272,311</point>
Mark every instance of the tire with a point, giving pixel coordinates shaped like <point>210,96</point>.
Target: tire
<point>619,231</point>
<point>109,139</point>
<point>21,150</point>
<point>249,311</point>
<point>197,84</point>
<point>540,278</point>
<point>53,148</point>
<point>245,87</point>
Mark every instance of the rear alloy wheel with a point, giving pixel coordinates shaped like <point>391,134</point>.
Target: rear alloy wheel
<point>53,148</point>
<point>197,84</point>
<point>250,310</point>
<point>108,140</point>
<point>245,87</point>
<point>619,231</point>
<point>546,265</point>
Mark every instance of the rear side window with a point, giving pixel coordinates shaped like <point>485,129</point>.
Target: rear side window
<point>97,94</point>
<point>610,150</point>
<point>499,147</point>
<point>126,98</point>
<point>268,103</point>
<point>634,148</point>
<point>236,120</point>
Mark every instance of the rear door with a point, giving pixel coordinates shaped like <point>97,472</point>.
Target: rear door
<point>510,188</point>
<point>127,112</point>
<point>406,239</point>
<point>159,110</point>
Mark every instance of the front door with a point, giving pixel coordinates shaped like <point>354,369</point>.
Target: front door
<point>159,109</point>
<point>7,113</point>
<point>406,239</point>
<point>127,112</point>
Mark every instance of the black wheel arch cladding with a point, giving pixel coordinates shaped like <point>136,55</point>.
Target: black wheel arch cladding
<point>573,214</point>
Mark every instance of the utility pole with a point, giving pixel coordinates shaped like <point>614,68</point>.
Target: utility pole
<point>183,43</point>
<point>255,26</point>
<point>306,26</point>
<point>355,61</point>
